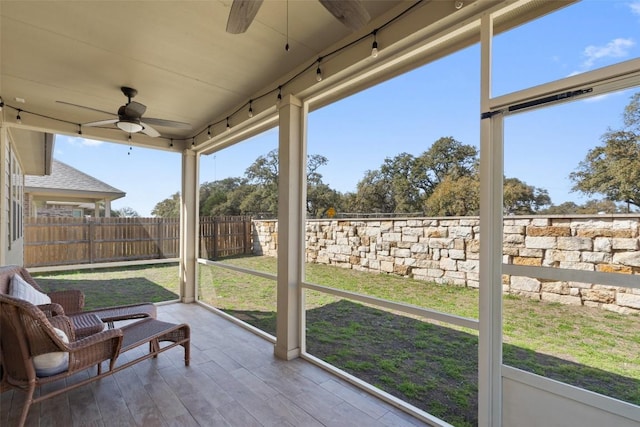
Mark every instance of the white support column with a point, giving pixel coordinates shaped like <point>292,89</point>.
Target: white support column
<point>107,208</point>
<point>188,226</point>
<point>96,209</point>
<point>490,298</point>
<point>291,216</point>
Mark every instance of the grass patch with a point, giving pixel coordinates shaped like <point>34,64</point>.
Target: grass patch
<point>430,365</point>
<point>107,287</point>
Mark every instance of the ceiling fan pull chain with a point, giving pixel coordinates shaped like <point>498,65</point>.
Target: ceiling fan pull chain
<point>286,47</point>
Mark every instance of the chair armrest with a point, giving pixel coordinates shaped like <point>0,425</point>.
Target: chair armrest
<point>94,349</point>
<point>71,300</point>
<point>63,323</point>
<point>51,310</point>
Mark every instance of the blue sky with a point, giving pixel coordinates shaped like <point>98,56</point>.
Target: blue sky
<point>410,112</point>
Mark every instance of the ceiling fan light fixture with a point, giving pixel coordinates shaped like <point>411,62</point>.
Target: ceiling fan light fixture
<point>129,126</point>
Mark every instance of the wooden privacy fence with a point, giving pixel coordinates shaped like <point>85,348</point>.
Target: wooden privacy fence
<point>66,241</point>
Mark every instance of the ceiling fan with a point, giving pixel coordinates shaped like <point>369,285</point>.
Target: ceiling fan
<point>351,13</point>
<point>130,117</point>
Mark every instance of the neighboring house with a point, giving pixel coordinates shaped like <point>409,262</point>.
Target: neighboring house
<point>67,192</point>
<point>22,151</point>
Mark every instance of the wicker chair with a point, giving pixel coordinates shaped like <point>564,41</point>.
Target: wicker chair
<point>26,332</point>
<point>72,301</point>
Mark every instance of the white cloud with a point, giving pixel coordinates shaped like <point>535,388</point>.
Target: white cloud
<point>635,7</point>
<point>616,48</point>
<point>84,142</point>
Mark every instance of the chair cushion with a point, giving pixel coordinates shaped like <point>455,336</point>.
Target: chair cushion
<point>19,288</point>
<point>52,363</point>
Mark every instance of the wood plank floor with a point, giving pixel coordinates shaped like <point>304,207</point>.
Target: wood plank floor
<point>233,380</point>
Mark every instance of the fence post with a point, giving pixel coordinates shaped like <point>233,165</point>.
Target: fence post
<point>247,235</point>
<point>215,238</point>
<point>160,237</point>
<point>91,238</point>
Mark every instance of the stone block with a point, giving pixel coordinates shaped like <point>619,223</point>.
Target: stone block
<point>591,233</point>
<point>448,264</point>
<point>560,288</point>
<point>402,270</point>
<point>620,310</point>
<point>555,255</point>
<point>577,266</point>
<point>518,260</point>
<point>562,299</point>
<point>391,237</point>
<point>457,254</point>
<point>401,253</point>
<point>599,295</point>
<point>461,232</point>
<point>526,284</point>
<point>514,229</point>
<point>440,243</point>
<point>513,239</point>
<point>624,244</point>
<point>627,258</point>
<point>434,273</point>
<point>595,257</point>
<point>548,231</point>
<point>628,300</point>
<point>468,266</point>
<point>602,244</point>
<point>540,242</point>
<point>575,244</point>
<point>531,253</point>
<point>419,248</point>
<point>540,222</point>
<point>532,295</point>
<point>613,268</point>
<point>436,232</point>
<point>386,266</point>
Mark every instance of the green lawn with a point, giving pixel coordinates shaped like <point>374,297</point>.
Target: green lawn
<point>430,365</point>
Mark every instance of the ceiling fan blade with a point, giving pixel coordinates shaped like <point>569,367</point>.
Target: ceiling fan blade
<point>100,123</point>
<point>242,14</point>
<point>87,108</point>
<point>167,123</point>
<point>134,109</point>
<point>351,13</point>
<point>148,130</point>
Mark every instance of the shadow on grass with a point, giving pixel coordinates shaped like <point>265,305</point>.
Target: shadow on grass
<point>432,367</point>
<point>110,292</point>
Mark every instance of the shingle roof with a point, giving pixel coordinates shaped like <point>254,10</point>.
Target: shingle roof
<point>65,177</point>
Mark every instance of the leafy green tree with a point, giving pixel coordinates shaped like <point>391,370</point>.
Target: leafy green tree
<point>374,194</point>
<point>447,157</point>
<point>125,212</point>
<point>565,208</point>
<point>216,193</point>
<point>168,208</point>
<point>522,199</point>
<point>455,197</point>
<point>398,172</point>
<point>590,207</point>
<point>612,169</point>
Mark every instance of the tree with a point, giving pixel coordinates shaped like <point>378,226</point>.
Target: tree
<point>612,169</point>
<point>398,172</point>
<point>125,212</point>
<point>374,194</point>
<point>447,157</point>
<point>215,194</point>
<point>168,208</point>
<point>522,199</point>
<point>455,197</point>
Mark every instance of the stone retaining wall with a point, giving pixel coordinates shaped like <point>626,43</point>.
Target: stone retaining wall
<point>446,251</point>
